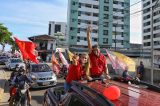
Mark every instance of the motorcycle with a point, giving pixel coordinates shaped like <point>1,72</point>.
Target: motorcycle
<point>19,95</point>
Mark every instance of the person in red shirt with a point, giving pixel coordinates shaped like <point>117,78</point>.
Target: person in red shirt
<point>97,60</point>
<point>77,70</point>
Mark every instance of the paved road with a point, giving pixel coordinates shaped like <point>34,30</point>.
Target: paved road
<point>37,94</point>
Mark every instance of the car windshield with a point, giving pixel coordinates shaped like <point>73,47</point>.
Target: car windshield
<point>40,68</point>
<point>3,57</point>
<point>16,61</point>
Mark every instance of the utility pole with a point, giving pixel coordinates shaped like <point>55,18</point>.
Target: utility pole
<point>115,25</point>
<point>152,42</point>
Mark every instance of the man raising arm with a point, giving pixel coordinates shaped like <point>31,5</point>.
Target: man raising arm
<point>97,60</point>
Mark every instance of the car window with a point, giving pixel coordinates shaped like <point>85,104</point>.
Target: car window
<point>40,68</point>
<point>3,57</point>
<point>77,101</point>
<point>16,60</point>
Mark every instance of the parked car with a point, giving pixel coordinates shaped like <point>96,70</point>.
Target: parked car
<point>43,74</point>
<point>93,94</point>
<point>3,59</point>
<point>12,62</point>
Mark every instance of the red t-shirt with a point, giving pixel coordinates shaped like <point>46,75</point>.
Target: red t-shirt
<point>75,72</point>
<point>98,64</point>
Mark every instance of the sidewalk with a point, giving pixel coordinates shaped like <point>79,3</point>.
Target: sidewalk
<point>2,83</point>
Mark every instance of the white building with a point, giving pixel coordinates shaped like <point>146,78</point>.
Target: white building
<point>58,30</point>
<point>57,27</point>
<point>147,22</point>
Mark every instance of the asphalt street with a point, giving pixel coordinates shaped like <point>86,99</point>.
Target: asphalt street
<point>37,94</point>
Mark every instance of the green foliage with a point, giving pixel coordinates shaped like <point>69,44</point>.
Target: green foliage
<point>5,36</point>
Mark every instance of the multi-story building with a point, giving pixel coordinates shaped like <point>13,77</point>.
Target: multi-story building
<point>147,24</point>
<point>58,30</point>
<point>109,19</point>
<point>57,27</point>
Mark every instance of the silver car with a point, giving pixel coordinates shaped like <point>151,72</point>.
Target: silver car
<point>12,62</point>
<point>43,74</point>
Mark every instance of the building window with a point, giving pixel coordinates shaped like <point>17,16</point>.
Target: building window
<point>95,14</point>
<point>146,37</point>
<point>88,5</point>
<point>146,23</point>
<point>106,8</point>
<point>78,39</point>
<point>73,11</point>
<point>95,6</point>
<point>105,32</point>
<point>146,17</point>
<point>94,39</point>
<point>72,37</point>
<point>79,5</point>
<point>122,43</point>
<point>73,3</point>
<point>146,4</point>
<point>156,27</point>
<point>105,40</point>
<point>105,24</point>
<point>146,10</point>
<point>147,44</point>
<point>95,23</point>
<point>156,13</point>
<point>57,28</point>
<point>79,13</point>
<point>106,16</point>
<point>157,35</point>
<point>73,20</point>
<point>146,30</point>
<point>94,31</point>
<point>106,1</point>
<point>156,20</point>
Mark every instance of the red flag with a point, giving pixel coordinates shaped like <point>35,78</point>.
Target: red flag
<point>27,49</point>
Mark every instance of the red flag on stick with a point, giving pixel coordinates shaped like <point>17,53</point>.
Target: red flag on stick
<point>27,49</point>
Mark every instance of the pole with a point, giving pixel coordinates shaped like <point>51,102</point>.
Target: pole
<point>152,42</point>
<point>115,36</point>
<point>152,55</point>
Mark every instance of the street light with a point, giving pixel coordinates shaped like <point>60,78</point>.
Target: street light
<point>152,42</point>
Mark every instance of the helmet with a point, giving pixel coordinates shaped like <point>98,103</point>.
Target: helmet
<point>21,70</point>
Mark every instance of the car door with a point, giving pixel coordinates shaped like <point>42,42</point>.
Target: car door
<point>7,63</point>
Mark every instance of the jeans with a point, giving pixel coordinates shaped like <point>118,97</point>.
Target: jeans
<point>67,86</point>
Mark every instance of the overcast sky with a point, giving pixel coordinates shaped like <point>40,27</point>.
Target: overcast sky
<point>31,17</point>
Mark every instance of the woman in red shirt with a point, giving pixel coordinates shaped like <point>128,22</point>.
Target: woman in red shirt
<point>77,70</point>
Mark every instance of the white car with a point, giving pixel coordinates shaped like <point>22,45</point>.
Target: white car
<point>12,62</point>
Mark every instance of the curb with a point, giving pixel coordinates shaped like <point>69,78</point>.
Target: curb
<point>2,83</point>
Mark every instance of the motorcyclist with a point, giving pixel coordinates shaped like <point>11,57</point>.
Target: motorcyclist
<point>13,74</point>
<point>23,81</point>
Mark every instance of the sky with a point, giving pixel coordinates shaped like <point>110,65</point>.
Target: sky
<point>26,18</point>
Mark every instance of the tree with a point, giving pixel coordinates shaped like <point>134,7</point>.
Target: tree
<point>5,36</point>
